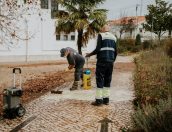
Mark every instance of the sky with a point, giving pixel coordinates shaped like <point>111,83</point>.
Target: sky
<point>118,8</point>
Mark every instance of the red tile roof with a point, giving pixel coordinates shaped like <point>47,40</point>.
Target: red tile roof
<point>136,20</point>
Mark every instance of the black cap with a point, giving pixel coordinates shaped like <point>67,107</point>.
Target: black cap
<point>63,51</point>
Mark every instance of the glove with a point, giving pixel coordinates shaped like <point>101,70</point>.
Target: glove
<point>70,67</point>
<point>87,55</point>
<point>67,69</point>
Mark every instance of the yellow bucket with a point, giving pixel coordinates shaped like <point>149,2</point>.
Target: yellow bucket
<point>87,80</point>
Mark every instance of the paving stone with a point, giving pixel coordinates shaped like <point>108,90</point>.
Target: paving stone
<point>72,111</point>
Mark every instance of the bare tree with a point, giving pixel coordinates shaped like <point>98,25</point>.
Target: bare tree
<point>126,25</point>
<point>12,14</point>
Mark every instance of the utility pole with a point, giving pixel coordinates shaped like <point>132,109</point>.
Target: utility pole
<point>136,19</point>
<point>1,37</point>
<point>26,31</point>
<point>152,29</point>
<point>137,5</point>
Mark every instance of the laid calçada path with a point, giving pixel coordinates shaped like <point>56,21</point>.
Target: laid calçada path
<point>71,111</point>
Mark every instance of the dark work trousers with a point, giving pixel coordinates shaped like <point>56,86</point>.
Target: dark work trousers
<point>104,74</point>
<point>79,72</point>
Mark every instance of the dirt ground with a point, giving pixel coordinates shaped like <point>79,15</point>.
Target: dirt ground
<point>39,78</point>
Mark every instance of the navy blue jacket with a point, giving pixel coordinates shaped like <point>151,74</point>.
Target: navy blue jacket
<point>106,48</point>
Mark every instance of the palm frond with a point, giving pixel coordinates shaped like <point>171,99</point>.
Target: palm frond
<point>62,14</point>
<point>69,7</point>
<point>83,17</point>
<point>81,24</point>
<point>64,26</point>
<point>98,14</point>
<point>75,16</point>
<point>83,2</point>
<point>89,34</point>
<point>97,25</point>
<point>85,38</point>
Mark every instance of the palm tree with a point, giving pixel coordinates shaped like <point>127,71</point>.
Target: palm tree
<point>81,16</point>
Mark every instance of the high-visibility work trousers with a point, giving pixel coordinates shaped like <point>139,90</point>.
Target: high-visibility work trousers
<point>102,92</point>
<point>104,74</point>
<point>103,79</point>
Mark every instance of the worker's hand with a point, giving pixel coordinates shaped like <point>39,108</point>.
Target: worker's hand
<point>87,55</point>
<point>71,67</point>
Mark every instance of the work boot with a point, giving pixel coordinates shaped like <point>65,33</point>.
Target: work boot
<point>106,101</point>
<point>82,84</point>
<point>97,102</point>
<point>75,85</point>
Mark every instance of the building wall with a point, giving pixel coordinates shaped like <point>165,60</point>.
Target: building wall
<point>145,35</point>
<point>42,43</point>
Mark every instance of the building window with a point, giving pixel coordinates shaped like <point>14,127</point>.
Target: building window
<point>44,4</point>
<point>72,37</point>
<point>50,4</point>
<point>54,8</point>
<point>65,37</point>
<point>58,37</point>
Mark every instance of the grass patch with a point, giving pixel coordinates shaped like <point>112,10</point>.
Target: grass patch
<point>168,47</point>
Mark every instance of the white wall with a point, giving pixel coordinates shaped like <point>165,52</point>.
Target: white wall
<point>42,44</point>
<point>146,35</point>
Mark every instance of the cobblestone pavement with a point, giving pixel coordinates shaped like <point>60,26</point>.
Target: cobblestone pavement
<point>71,111</point>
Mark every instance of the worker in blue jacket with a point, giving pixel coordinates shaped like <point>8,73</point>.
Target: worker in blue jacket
<point>106,51</point>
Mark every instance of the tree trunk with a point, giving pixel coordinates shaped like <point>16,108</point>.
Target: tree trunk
<point>159,36</point>
<point>169,33</point>
<point>79,42</point>
<point>131,32</point>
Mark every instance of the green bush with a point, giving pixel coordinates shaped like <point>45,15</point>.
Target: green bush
<point>138,40</point>
<point>146,44</point>
<point>168,47</point>
<point>127,45</point>
<point>152,118</point>
<point>136,48</point>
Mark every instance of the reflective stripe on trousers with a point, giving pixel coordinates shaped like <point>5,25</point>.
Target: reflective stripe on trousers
<point>99,93</point>
<point>106,92</point>
<point>102,92</point>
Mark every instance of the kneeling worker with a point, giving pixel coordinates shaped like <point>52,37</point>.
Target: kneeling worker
<point>75,60</point>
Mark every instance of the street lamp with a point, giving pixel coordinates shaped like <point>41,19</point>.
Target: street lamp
<point>26,32</point>
<point>1,37</point>
<point>136,30</point>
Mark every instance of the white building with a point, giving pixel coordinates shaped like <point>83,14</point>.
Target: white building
<point>137,28</point>
<point>40,42</point>
<point>133,29</point>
